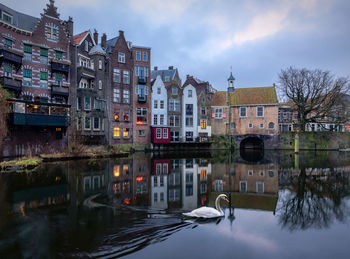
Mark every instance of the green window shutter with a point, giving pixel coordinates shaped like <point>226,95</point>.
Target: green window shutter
<point>59,54</point>
<point>44,52</point>
<point>8,42</point>
<point>43,76</point>
<point>7,68</point>
<point>27,48</point>
<point>59,77</point>
<point>27,73</point>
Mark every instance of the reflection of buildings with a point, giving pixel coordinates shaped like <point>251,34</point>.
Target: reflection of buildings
<point>174,184</point>
<point>141,176</point>
<point>204,169</point>
<point>189,184</point>
<point>159,183</point>
<point>122,179</point>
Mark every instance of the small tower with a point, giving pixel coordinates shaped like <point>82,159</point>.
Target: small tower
<point>230,86</point>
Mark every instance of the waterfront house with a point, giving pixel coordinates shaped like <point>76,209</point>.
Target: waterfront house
<point>190,113</point>
<point>35,68</point>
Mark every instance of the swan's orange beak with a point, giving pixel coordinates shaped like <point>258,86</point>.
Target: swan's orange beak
<point>226,199</point>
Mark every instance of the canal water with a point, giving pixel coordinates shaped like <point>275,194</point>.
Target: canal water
<point>282,205</point>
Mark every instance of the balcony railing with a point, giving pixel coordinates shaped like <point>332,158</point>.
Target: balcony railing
<point>142,79</point>
<point>11,56</point>
<point>86,72</point>
<point>60,66</point>
<point>38,120</point>
<point>11,84</point>
<point>59,90</point>
<point>141,98</point>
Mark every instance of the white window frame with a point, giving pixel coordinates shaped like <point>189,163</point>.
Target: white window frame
<point>189,93</point>
<point>93,124</point>
<point>261,125</point>
<point>219,113</point>
<point>250,125</point>
<point>100,64</point>
<point>144,56</point>
<point>121,57</point>
<point>257,114</point>
<point>155,119</point>
<point>161,119</point>
<point>100,84</point>
<point>250,172</point>
<point>116,95</point>
<point>85,123</point>
<point>165,133</point>
<point>138,55</point>
<point>263,187</point>
<point>155,104</point>
<point>240,112</point>
<point>158,133</point>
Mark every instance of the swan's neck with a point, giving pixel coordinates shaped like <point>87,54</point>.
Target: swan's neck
<point>217,204</point>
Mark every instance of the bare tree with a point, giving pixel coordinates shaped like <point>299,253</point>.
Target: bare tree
<point>316,95</point>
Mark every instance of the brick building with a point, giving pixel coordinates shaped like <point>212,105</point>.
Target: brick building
<point>253,110</point>
<point>89,88</point>
<point>142,95</point>
<point>35,61</point>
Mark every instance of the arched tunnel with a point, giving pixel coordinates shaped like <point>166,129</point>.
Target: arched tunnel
<point>252,143</point>
<point>252,149</point>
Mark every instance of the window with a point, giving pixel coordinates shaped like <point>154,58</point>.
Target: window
<point>203,111</point>
<point>100,64</point>
<point>144,56</point>
<point>155,119</point>
<point>155,104</point>
<point>262,173</point>
<point>243,111</point>
<point>126,116</point>
<point>87,123</point>
<point>116,170</point>
<point>233,126</point>
<point>250,172</point>
<point>126,96</point>
<point>87,103</point>
<point>116,133</point>
<point>51,32</point>
<point>43,79</point>
<point>218,113</point>
<point>189,121</point>
<point>138,55</point>
<point>121,57</point>
<point>141,90</point>
<point>59,54</point>
<point>86,46</point>
<point>271,173</point>
<point>219,185</point>
<point>126,77</point>
<point>161,104</point>
<point>155,195</point>
<point>260,187</point>
<point>43,55</point>
<point>174,120</point>
<point>98,104</point>
<point>261,126</point>
<point>189,93</point>
<point>116,95</point>
<point>27,77</point>
<point>243,186</point>
<point>59,78</point>
<point>7,70</point>
<point>165,166</point>
<point>174,91</point>
<point>27,52</point>
<point>6,17</point>
<point>167,79</point>
<point>174,105</point>
<point>116,75</point>
<point>250,125</point>
<point>174,136</point>
<point>141,71</point>
<point>159,90</point>
<point>126,132</point>
<point>116,116</point>
<point>161,119</point>
<point>96,123</point>
<point>162,193</point>
<point>271,125</point>
<point>203,124</point>
<point>159,133</point>
<point>260,111</point>
<point>141,115</point>
<point>165,133</point>
<point>189,109</point>
<point>142,133</point>
<point>100,84</point>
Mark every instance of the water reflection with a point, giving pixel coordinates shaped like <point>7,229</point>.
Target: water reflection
<point>116,207</point>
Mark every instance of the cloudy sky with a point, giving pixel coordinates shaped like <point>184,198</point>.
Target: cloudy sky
<point>205,38</point>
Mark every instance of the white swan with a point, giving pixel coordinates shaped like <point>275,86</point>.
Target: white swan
<point>208,212</point>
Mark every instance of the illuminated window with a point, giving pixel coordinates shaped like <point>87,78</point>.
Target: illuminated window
<point>203,174</point>
<point>126,116</point>
<point>126,169</point>
<point>116,132</point>
<point>116,115</point>
<point>116,170</point>
<point>203,124</point>
<point>126,132</point>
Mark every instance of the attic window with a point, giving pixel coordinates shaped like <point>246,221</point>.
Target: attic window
<point>51,32</point>
<point>167,79</point>
<point>121,57</point>
<point>86,45</point>
<point>6,17</point>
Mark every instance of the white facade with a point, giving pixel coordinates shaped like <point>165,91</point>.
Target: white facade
<point>189,169</point>
<point>159,191</point>
<point>189,113</point>
<point>159,103</point>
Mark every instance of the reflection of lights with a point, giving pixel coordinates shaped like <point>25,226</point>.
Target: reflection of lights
<point>127,201</point>
<point>139,178</point>
<point>116,170</point>
<point>139,122</point>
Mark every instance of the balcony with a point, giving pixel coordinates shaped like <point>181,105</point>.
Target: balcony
<point>141,98</point>
<point>38,120</point>
<point>86,72</point>
<point>142,80</point>
<point>60,66</point>
<point>11,84</point>
<point>59,90</point>
<point>11,56</point>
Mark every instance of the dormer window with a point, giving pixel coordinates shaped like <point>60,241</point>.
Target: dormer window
<point>51,32</point>
<point>6,17</point>
<point>121,57</point>
<point>167,79</point>
<point>86,46</point>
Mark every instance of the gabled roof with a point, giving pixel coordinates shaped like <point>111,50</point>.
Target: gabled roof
<point>79,38</point>
<point>163,73</point>
<point>247,96</point>
<point>20,20</point>
<point>111,43</point>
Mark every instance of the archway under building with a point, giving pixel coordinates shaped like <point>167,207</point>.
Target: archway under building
<point>252,143</point>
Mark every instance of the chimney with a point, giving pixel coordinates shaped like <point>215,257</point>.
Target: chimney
<point>103,40</point>
<point>70,27</point>
<point>155,68</point>
<point>121,33</point>
<point>171,67</point>
<point>96,37</point>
